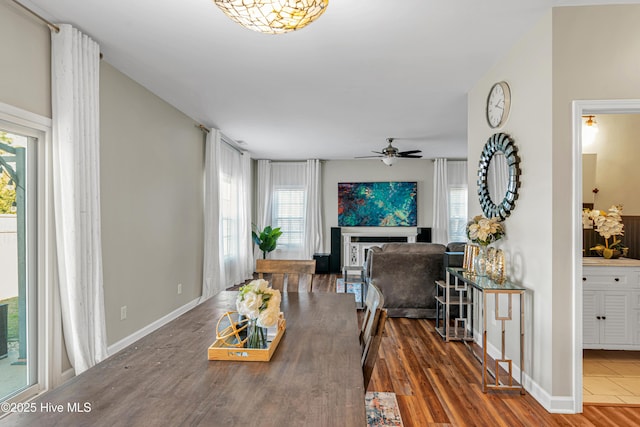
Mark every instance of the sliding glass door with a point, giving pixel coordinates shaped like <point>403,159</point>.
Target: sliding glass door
<point>18,238</point>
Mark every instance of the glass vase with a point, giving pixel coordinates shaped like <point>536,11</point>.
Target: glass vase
<point>498,271</point>
<point>480,262</point>
<point>256,335</point>
<point>490,261</point>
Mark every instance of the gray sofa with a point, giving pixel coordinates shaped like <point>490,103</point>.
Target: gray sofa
<point>406,273</point>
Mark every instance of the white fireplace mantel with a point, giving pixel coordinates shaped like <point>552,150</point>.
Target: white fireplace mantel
<point>354,248</point>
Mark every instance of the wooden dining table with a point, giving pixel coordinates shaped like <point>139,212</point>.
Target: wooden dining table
<point>165,379</point>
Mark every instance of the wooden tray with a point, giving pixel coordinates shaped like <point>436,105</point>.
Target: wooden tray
<point>220,351</point>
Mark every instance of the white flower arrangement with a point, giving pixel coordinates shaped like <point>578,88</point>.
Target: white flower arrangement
<point>484,231</point>
<point>608,225</point>
<point>256,300</point>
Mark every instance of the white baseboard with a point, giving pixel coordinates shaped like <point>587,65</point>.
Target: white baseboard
<point>67,375</point>
<point>552,404</point>
<point>116,347</point>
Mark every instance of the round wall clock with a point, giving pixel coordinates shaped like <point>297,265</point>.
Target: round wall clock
<point>498,104</point>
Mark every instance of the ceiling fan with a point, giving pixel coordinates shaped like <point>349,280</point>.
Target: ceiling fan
<point>390,153</point>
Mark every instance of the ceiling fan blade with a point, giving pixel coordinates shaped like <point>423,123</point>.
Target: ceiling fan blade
<point>391,151</point>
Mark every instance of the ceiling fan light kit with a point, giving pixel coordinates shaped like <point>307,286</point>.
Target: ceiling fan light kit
<point>273,16</point>
<point>389,160</point>
<point>390,153</point>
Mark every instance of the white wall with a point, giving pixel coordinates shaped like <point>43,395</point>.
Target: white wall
<point>152,166</point>
<point>616,148</point>
<point>527,69</point>
<point>335,171</point>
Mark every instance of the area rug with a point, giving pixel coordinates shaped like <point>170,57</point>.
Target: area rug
<point>382,410</point>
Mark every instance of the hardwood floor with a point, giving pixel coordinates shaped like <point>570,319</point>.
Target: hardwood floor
<point>438,383</point>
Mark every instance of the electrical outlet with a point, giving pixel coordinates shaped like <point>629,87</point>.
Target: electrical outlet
<point>179,288</point>
<point>123,312</point>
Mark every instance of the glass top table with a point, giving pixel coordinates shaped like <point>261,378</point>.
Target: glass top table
<point>457,291</point>
<point>483,283</point>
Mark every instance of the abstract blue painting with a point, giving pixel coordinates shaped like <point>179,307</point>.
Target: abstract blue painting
<point>377,204</point>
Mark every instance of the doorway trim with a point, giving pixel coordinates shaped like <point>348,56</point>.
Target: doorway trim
<point>581,108</point>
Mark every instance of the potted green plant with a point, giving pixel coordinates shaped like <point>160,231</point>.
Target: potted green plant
<point>267,239</point>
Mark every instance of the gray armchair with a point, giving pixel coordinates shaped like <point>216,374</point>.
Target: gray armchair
<point>406,273</point>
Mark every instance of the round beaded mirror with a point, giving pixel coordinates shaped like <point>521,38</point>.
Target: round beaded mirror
<point>498,203</point>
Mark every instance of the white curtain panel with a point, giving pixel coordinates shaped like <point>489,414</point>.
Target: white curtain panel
<point>75,66</point>
<point>247,256</point>
<point>288,175</point>
<point>236,213</point>
<point>440,228</point>
<point>456,178</point>
<point>263,199</point>
<point>313,222</point>
<point>457,173</point>
<point>213,270</point>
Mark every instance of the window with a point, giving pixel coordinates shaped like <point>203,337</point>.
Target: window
<point>229,215</point>
<point>457,214</point>
<point>288,214</point>
<point>231,218</point>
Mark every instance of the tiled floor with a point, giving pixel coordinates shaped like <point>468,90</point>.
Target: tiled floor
<point>611,377</point>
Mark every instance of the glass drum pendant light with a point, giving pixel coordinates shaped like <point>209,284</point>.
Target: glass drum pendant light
<point>589,130</point>
<point>273,16</point>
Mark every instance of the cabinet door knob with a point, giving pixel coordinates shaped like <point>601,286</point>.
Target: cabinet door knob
<point>604,317</point>
<point>617,279</point>
<point>584,279</point>
<point>598,317</point>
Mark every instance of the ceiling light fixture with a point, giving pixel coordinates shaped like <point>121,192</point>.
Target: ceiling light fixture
<point>389,160</point>
<point>273,16</point>
<point>589,130</point>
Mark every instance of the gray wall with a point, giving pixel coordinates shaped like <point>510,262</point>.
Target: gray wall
<point>25,49</point>
<point>152,162</point>
<point>615,172</point>
<point>151,172</point>
<point>547,70</point>
<point>25,82</point>
<point>527,69</point>
<point>607,69</point>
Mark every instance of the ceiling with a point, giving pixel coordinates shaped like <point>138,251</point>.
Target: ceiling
<point>364,71</point>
